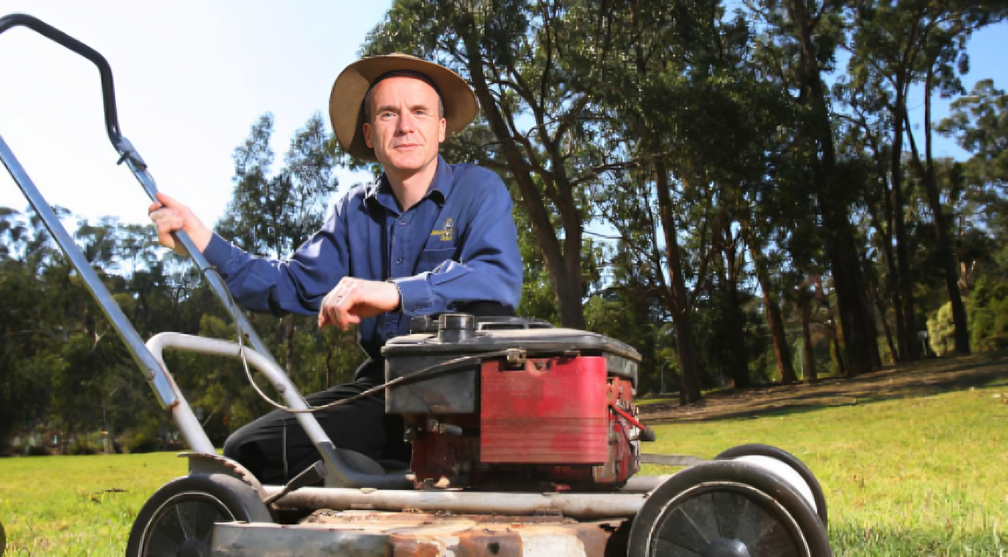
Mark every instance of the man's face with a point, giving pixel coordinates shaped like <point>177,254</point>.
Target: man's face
<point>406,128</point>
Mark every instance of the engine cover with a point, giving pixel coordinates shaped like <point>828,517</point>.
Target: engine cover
<point>480,418</point>
<point>550,411</point>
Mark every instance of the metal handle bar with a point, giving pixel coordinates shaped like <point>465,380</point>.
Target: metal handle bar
<point>129,155</point>
<point>50,32</point>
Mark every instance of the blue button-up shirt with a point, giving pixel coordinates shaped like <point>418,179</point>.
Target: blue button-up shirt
<point>458,244</point>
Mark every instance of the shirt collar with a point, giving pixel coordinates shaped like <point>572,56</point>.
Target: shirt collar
<point>439,190</point>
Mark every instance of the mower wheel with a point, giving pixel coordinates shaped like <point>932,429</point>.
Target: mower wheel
<point>726,508</point>
<point>747,452</point>
<point>178,519</point>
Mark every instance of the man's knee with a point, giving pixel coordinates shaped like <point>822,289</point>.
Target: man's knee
<point>234,444</point>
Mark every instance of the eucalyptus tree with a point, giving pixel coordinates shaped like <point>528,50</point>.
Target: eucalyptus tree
<point>273,213</point>
<point>865,128</point>
<point>979,124</point>
<point>796,48</point>
<point>919,42</point>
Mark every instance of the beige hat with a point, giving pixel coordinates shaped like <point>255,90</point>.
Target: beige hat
<point>346,103</point>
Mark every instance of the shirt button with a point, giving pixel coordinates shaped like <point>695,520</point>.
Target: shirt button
<point>402,222</point>
<point>399,260</point>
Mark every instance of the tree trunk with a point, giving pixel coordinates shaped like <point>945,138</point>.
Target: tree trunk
<point>870,326</point>
<point>676,299</point>
<point>289,340</point>
<point>774,318</point>
<point>836,351</point>
<point>328,368</point>
<point>563,265</point>
<point>908,341</point>
<point>851,319</point>
<point>892,285</point>
<point>945,253</point>
<point>738,361</point>
<point>893,353</point>
<point>840,249</point>
<point>808,356</point>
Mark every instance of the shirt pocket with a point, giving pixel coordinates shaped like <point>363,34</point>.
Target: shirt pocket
<point>431,259</point>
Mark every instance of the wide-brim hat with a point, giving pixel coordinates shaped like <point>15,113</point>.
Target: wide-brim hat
<point>346,102</point>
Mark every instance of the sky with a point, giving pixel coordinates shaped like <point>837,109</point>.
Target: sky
<point>191,77</point>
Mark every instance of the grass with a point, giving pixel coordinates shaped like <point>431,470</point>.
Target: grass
<point>924,476</point>
<point>77,505</point>
<point>912,476</point>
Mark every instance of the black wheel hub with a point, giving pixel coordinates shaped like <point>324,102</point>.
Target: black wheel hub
<point>194,548</point>
<point>725,522</point>
<point>724,547</point>
<point>183,525</point>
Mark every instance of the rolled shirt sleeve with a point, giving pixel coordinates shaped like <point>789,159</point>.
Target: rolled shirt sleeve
<point>296,285</point>
<point>457,245</point>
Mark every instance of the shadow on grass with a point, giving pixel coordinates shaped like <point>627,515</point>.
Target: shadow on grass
<point>924,378</point>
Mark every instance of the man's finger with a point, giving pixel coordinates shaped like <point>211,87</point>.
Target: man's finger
<point>340,309</point>
<point>166,200</point>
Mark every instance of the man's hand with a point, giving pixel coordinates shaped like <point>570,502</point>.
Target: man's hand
<point>354,299</point>
<point>171,216</point>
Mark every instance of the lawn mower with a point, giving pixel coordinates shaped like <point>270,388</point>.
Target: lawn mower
<point>525,441</point>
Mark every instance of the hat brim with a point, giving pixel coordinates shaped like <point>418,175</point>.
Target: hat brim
<point>346,110</point>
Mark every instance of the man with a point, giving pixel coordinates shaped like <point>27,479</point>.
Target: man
<point>426,238</point>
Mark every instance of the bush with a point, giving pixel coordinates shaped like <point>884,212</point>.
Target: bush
<point>81,448</point>
<point>941,330</point>
<point>33,450</point>
<point>988,316</point>
<point>143,438</point>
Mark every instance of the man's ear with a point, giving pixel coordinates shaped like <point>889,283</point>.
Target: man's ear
<point>367,135</point>
<point>441,131</point>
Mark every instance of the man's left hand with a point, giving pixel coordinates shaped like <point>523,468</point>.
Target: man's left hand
<point>354,299</point>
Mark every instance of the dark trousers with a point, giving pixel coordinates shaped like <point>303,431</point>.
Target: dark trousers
<point>275,448</point>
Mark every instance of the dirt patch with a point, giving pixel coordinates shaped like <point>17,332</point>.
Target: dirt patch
<point>918,379</point>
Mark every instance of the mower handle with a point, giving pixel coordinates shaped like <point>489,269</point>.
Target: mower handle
<point>126,151</point>
<point>136,164</point>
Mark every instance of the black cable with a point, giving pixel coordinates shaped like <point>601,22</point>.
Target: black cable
<point>442,366</point>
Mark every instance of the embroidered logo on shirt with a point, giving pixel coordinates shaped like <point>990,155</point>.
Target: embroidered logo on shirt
<point>446,232</point>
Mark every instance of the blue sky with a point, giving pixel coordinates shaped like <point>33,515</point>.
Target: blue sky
<point>191,78</point>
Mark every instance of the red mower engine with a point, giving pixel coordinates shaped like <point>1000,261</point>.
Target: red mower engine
<point>512,403</point>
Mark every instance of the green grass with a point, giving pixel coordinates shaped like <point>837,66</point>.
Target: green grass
<point>912,477</point>
<point>78,505</point>
<point>916,476</point>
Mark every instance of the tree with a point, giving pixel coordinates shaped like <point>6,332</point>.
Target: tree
<point>530,65</point>
<point>273,214</point>
<point>979,123</point>
<point>920,41</point>
<point>806,35</point>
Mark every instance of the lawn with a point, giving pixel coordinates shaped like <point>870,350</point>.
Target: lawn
<point>915,475</point>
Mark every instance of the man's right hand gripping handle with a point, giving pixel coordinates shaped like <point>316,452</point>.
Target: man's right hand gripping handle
<point>170,216</point>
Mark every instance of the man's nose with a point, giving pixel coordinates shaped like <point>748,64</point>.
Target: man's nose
<point>406,122</point>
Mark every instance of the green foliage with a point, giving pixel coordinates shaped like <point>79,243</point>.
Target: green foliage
<point>989,314</point>
<point>666,160</point>
<point>978,122</point>
<point>65,375</point>
<point>941,331</point>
